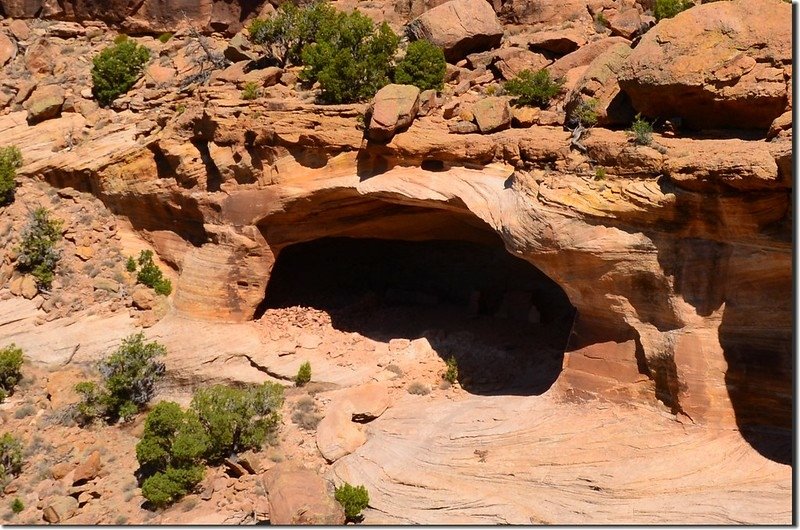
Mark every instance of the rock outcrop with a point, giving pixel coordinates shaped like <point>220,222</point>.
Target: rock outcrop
<point>393,109</point>
<point>714,66</point>
<point>459,27</point>
<point>300,496</point>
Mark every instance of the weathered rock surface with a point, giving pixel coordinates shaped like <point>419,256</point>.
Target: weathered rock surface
<point>300,496</point>
<point>459,27</point>
<point>599,83</point>
<point>44,103</point>
<point>492,114</point>
<point>714,66</point>
<point>394,108</point>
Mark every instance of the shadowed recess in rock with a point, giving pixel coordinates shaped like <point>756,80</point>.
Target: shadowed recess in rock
<point>504,321</point>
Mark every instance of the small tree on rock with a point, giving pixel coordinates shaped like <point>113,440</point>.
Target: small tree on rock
<point>423,66</point>
<point>117,68</point>
<point>37,253</point>
<point>10,161</point>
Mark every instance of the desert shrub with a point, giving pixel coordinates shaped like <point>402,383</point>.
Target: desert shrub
<point>165,37</point>
<point>250,91</point>
<point>37,253</point>
<point>130,264</point>
<point>641,130</point>
<point>353,499</point>
<point>305,415</point>
<point>395,369</point>
<point>303,374</point>
<point>423,66</point>
<point>10,161</point>
<point>586,112</point>
<point>600,173</point>
<point>451,372</point>
<point>117,68</point>
<point>129,376</point>
<point>170,453</point>
<point>27,409</point>
<point>533,88</point>
<point>10,457</point>
<point>669,8</point>
<point>285,34</point>
<point>600,22</point>
<point>237,419</point>
<point>351,58</point>
<point>419,389</point>
<point>10,369</point>
<point>17,506</point>
<point>150,275</point>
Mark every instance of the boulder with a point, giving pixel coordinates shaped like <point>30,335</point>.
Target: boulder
<point>88,469</point>
<point>459,27</point>
<point>45,103</point>
<point>393,110</point>
<point>28,288</point>
<point>8,50</point>
<point>559,42</point>
<point>366,402</point>
<point>717,65</point>
<point>583,56</point>
<point>509,62</point>
<point>239,49</point>
<point>492,114</point>
<point>599,82</point>
<point>143,298</point>
<point>337,435</point>
<point>300,496</point>
<point>20,30</point>
<point>627,23</point>
<point>60,509</point>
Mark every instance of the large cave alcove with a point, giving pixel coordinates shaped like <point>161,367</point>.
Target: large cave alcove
<point>505,322</point>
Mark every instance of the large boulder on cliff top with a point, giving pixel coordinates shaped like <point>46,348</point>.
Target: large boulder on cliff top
<point>393,110</point>
<point>459,27</point>
<point>300,496</point>
<point>717,65</point>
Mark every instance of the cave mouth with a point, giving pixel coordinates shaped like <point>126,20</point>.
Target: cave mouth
<point>505,322</point>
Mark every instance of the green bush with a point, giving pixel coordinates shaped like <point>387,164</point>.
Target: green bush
<point>641,130</point>
<point>292,28</point>
<point>250,91</point>
<point>130,264</point>
<point>10,161</point>
<point>423,66</point>
<point>10,365</point>
<point>533,89</point>
<point>303,374</point>
<point>17,506</point>
<point>37,253</point>
<point>451,373</point>
<point>117,68</point>
<point>150,275</point>
<point>586,112</point>
<point>10,457</point>
<point>129,376</point>
<point>351,58</point>
<point>237,419</point>
<point>353,499</point>
<point>221,420</point>
<point>165,37</point>
<point>600,173</point>
<point>171,453</point>
<point>669,8</point>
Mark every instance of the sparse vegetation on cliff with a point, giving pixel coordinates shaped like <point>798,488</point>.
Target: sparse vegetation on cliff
<point>641,130</point>
<point>303,374</point>
<point>129,376</point>
<point>37,253</point>
<point>586,112</point>
<point>423,66</point>
<point>250,91</point>
<point>533,88</point>
<point>149,274</point>
<point>351,58</point>
<point>221,420</point>
<point>353,499</point>
<point>284,35</point>
<point>10,161</point>
<point>117,68</point>
<point>669,8</point>
<point>451,372</point>
<point>11,457</point>
<point>10,365</point>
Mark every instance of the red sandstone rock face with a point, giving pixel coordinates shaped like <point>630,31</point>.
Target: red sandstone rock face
<point>147,16</point>
<point>715,65</point>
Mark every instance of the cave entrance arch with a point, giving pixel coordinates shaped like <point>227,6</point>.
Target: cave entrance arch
<point>506,323</point>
